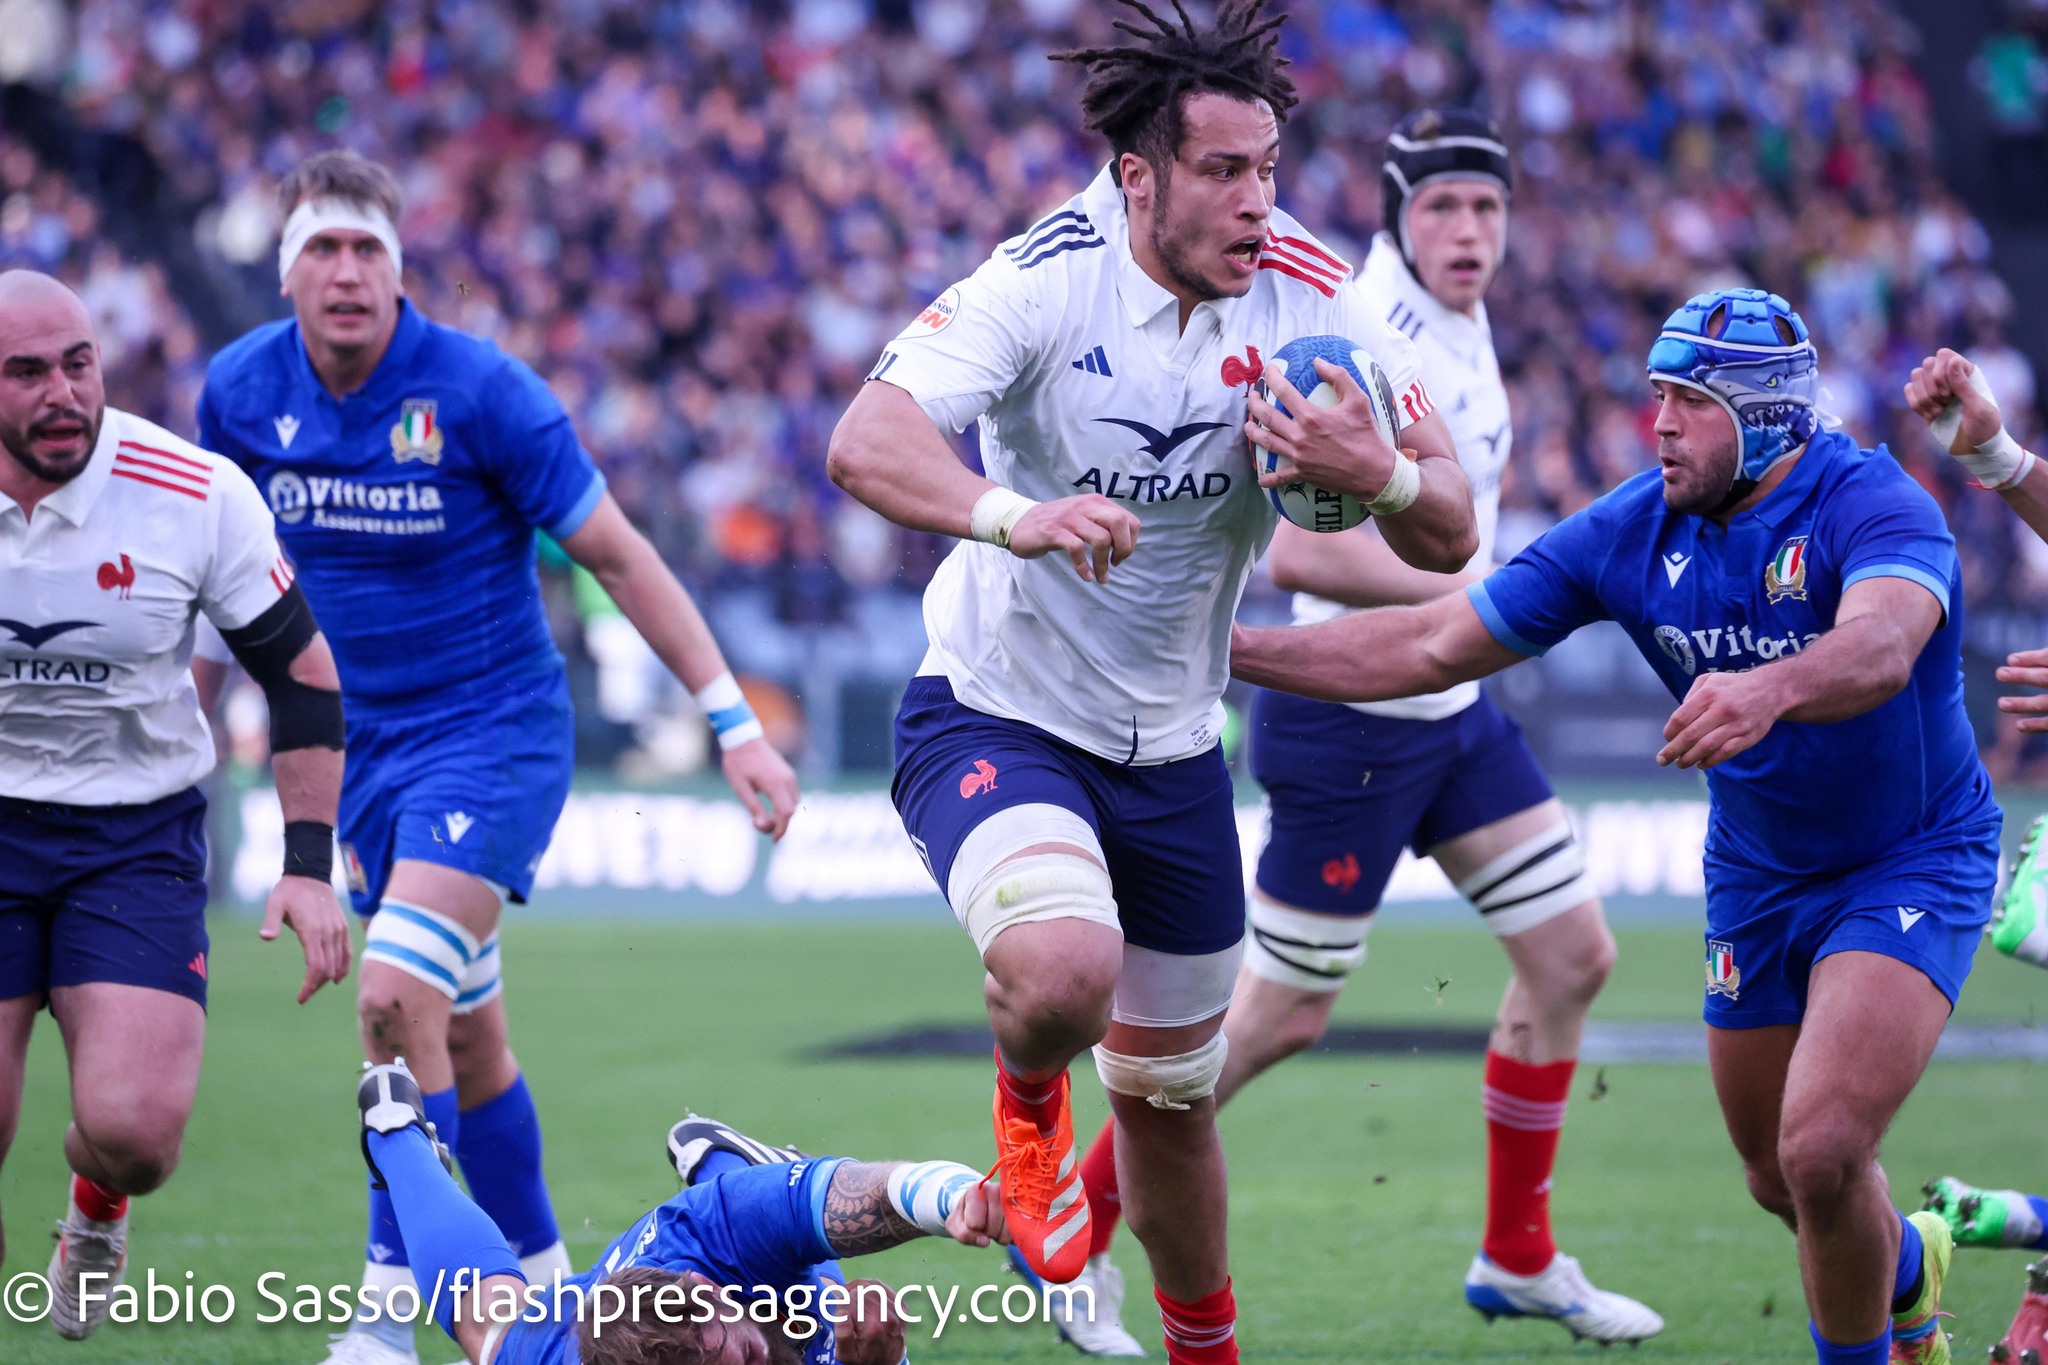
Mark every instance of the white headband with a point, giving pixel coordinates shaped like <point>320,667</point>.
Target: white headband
<point>315,216</point>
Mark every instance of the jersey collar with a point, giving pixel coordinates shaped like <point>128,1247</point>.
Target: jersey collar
<point>75,499</point>
<point>1386,274</point>
<point>405,340</point>
<point>1142,296</point>
<point>1786,498</point>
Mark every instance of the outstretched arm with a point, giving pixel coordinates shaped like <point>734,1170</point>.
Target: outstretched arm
<point>872,1206</point>
<point>1373,655</point>
<point>629,569</point>
<point>1356,568</point>
<point>1867,659</point>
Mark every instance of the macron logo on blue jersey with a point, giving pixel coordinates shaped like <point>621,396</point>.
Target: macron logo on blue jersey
<point>1095,362</point>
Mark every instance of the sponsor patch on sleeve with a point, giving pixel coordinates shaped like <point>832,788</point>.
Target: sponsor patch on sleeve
<point>935,317</point>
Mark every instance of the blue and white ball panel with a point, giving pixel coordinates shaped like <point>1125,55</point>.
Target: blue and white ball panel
<point>1349,791</point>
<point>1304,504</point>
<point>476,787</point>
<point>103,894</point>
<point>1925,906</point>
<point>1168,831</point>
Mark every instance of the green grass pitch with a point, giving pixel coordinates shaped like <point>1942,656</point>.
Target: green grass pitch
<point>1357,1182</point>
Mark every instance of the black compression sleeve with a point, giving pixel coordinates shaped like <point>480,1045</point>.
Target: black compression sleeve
<point>301,716</point>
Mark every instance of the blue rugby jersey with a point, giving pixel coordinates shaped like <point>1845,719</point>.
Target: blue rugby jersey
<point>762,1226</point>
<point>1808,800</point>
<point>409,506</point>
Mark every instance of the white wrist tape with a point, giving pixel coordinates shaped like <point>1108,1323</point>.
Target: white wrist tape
<point>924,1193</point>
<point>315,216</point>
<point>1402,489</point>
<point>725,706</point>
<point>1999,462</point>
<point>996,513</point>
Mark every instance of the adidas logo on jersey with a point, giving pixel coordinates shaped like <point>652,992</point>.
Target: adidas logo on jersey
<point>1095,362</point>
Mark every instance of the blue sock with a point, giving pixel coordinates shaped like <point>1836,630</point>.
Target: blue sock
<point>386,1246</point>
<point>500,1155</point>
<point>1907,1280</point>
<point>2040,1208</point>
<point>1876,1351</point>
<point>445,1232</point>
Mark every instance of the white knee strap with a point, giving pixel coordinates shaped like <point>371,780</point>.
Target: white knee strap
<point>483,982</point>
<point>1164,1082</point>
<point>1171,990</point>
<point>1532,883</point>
<point>1306,951</point>
<point>1042,886</point>
<point>423,944</point>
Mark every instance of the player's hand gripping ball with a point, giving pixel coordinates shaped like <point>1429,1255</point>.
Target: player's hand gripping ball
<point>1304,504</point>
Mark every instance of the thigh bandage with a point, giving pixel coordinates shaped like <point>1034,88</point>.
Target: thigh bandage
<point>1164,1082</point>
<point>1532,883</point>
<point>425,945</point>
<point>991,888</point>
<point>1307,951</point>
<point>1170,990</point>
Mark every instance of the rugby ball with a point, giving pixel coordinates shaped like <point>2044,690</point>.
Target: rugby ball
<point>1304,504</point>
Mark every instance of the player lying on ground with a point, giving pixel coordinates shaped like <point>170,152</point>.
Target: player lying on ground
<point>1058,758</point>
<point>1451,776</point>
<point>114,536</point>
<point>1801,598</point>
<point>410,465</point>
<point>745,1220</point>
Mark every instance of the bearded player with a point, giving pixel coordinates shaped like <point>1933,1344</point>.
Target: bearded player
<point>115,536</point>
<point>1801,598</point>
<point>409,466</point>
<point>1450,775</point>
<point>1057,756</point>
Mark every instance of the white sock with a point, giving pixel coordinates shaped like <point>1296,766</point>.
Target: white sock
<point>540,1267</point>
<point>383,1279</point>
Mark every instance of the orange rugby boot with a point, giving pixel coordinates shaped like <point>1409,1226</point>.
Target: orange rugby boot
<point>1044,1204</point>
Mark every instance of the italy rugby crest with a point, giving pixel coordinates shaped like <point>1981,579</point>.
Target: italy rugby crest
<point>418,433</point>
<point>1786,576</point>
<point>1723,976</point>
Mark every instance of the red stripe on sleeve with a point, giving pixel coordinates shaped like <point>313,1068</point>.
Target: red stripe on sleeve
<point>189,492</point>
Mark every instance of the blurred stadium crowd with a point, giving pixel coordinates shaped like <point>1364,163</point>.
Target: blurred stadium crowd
<point>699,219</point>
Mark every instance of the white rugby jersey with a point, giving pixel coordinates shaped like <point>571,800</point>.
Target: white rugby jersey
<point>1458,365</point>
<point>1073,361</point>
<point>98,593</point>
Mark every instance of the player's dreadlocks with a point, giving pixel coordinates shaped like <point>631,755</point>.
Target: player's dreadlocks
<point>1135,94</point>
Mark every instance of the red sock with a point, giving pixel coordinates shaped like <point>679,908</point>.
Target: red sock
<point>1038,1101</point>
<point>101,1203</point>
<point>1098,1178</point>
<point>1524,1114</point>
<point>1200,1333</point>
